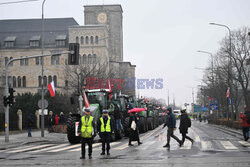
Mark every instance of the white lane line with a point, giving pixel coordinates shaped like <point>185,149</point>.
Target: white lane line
<point>122,147</point>
<point>50,148</point>
<point>228,145</point>
<point>196,136</point>
<point>187,145</point>
<point>65,148</point>
<point>206,145</point>
<point>30,148</point>
<point>95,145</point>
<point>244,143</point>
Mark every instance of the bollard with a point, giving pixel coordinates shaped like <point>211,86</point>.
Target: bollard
<point>20,120</point>
<point>37,119</point>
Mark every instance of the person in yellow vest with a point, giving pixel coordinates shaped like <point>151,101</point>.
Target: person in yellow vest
<point>86,129</point>
<point>105,128</point>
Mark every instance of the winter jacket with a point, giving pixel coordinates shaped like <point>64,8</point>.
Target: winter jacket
<point>170,121</point>
<point>56,120</point>
<point>133,118</point>
<point>184,123</point>
<point>105,120</point>
<point>244,120</point>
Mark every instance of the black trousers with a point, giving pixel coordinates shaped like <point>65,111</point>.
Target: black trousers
<point>105,140</point>
<point>171,134</point>
<point>184,136</point>
<point>89,141</point>
<point>134,136</point>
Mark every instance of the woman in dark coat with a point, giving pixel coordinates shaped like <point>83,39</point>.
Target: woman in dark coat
<point>185,123</point>
<point>133,134</point>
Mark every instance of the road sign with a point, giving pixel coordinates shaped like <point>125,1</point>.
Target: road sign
<point>45,111</point>
<point>45,103</point>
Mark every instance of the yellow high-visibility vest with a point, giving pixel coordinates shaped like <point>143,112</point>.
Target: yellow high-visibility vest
<point>107,128</point>
<point>87,127</point>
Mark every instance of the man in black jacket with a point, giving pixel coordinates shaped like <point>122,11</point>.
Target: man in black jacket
<point>185,123</point>
<point>171,124</point>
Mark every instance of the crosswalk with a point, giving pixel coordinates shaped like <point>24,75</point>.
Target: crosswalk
<point>118,146</point>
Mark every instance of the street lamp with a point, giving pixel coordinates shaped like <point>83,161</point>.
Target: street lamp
<point>230,61</point>
<point>42,62</point>
<point>200,51</point>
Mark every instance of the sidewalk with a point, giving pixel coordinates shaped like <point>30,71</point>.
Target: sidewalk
<point>22,139</point>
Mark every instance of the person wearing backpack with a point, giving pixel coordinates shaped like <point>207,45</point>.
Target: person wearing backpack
<point>185,123</point>
<point>245,123</point>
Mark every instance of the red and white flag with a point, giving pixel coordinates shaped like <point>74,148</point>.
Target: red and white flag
<point>227,95</point>
<point>51,87</point>
<point>110,90</point>
<point>86,101</point>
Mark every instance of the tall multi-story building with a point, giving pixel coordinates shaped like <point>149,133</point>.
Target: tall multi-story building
<point>100,40</point>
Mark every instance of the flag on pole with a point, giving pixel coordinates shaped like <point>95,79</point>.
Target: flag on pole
<point>227,95</point>
<point>110,90</point>
<point>86,101</point>
<point>51,87</point>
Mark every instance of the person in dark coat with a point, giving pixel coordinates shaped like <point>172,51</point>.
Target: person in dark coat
<point>245,125</point>
<point>118,117</point>
<point>185,123</point>
<point>30,124</point>
<point>171,124</point>
<point>133,133</point>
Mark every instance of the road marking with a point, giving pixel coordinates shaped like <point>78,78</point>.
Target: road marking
<point>30,148</point>
<point>50,148</point>
<point>95,145</point>
<point>228,145</point>
<point>206,145</point>
<point>245,143</point>
<point>149,134</point>
<point>196,136</point>
<point>65,148</point>
<point>187,145</point>
<point>121,147</point>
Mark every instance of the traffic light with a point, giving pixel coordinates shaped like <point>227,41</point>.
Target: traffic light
<point>11,97</point>
<point>73,58</point>
<point>5,101</point>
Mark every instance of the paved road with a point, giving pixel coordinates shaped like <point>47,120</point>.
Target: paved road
<point>213,147</point>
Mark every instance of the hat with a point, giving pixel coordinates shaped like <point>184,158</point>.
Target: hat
<point>87,110</point>
<point>169,109</point>
<point>105,111</point>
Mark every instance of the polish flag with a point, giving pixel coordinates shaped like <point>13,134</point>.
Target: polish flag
<point>86,101</point>
<point>227,95</point>
<point>52,89</point>
<point>110,90</point>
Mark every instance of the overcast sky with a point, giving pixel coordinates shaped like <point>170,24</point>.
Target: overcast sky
<point>161,37</point>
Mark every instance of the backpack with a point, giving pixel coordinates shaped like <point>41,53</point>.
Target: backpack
<point>248,117</point>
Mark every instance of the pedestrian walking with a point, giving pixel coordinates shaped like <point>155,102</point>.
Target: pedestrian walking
<point>105,128</point>
<point>133,129</point>
<point>245,124</point>
<point>61,119</point>
<point>185,123</point>
<point>30,124</point>
<point>86,129</point>
<point>171,124</point>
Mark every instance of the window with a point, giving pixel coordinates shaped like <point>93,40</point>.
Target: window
<point>50,78</point>
<point>89,59</point>
<point>55,80</point>
<point>77,39</point>
<point>55,60</point>
<point>37,60</point>
<point>96,40</point>
<point>84,59</point>
<point>94,59</point>
<point>82,40</point>
<point>45,82</point>
<point>66,82</point>
<point>92,40</point>
<point>6,60</point>
<point>11,64</point>
<point>60,43</point>
<point>80,59</point>
<point>14,82</point>
<point>24,81</point>
<point>39,81</point>
<point>87,40</point>
<point>19,81</point>
<point>34,43</point>
<point>9,81</point>
<point>22,62</point>
<point>9,44</point>
<point>26,62</point>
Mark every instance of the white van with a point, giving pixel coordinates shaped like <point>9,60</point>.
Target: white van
<point>177,113</point>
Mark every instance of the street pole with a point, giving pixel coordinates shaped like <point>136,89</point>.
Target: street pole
<point>42,62</point>
<point>229,65</point>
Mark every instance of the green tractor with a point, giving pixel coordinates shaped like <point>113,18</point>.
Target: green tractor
<point>99,100</point>
<point>143,116</point>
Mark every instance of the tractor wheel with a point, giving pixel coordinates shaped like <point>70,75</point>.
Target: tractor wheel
<point>73,139</point>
